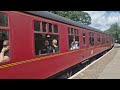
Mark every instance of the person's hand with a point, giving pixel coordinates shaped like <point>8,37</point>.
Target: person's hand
<point>5,49</point>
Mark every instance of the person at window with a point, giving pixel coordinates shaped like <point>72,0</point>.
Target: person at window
<point>47,49</point>
<point>55,47</point>
<point>74,44</point>
<point>4,54</point>
<point>2,38</point>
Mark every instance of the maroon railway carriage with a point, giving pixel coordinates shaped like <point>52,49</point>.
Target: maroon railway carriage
<point>27,32</point>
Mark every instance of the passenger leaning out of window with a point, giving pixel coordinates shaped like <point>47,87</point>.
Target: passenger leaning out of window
<point>47,48</point>
<point>4,54</point>
<point>55,47</point>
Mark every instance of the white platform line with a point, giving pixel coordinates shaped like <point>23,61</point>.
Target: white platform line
<point>89,65</point>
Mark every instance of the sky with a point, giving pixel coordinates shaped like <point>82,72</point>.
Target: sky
<point>102,20</point>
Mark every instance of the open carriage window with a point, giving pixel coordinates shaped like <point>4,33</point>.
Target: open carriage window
<point>44,43</point>
<point>4,38</point>
<point>73,42</point>
<point>4,46</point>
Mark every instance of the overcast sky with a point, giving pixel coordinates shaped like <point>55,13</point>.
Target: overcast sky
<point>103,19</point>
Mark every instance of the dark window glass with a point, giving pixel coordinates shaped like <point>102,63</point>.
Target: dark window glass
<point>98,38</point>
<point>75,31</point>
<point>3,20</point>
<point>71,30</point>
<point>83,38</point>
<point>91,38</point>
<point>68,30</point>
<point>55,29</point>
<point>103,39</point>
<point>44,26</point>
<point>36,25</point>
<point>50,27</point>
<point>107,40</point>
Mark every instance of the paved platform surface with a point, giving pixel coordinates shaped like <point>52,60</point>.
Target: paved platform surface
<point>112,70</point>
<point>107,67</point>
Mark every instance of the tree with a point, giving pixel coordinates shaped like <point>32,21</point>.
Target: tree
<point>78,16</point>
<point>114,30</point>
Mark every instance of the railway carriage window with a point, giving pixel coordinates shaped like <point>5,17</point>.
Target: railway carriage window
<point>40,39</point>
<point>91,39</point>
<point>112,39</point>
<point>4,46</point>
<point>55,29</point>
<point>50,27</point>
<point>103,39</point>
<point>98,38</point>
<point>68,30</point>
<point>83,38</point>
<point>3,20</point>
<point>36,25</point>
<point>73,38</point>
<point>107,41</point>
<point>73,42</point>
<point>44,25</point>
<point>75,31</point>
<point>71,30</point>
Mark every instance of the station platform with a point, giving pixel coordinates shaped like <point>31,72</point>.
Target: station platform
<point>106,67</point>
<point>112,70</point>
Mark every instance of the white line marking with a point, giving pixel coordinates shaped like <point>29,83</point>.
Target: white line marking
<point>89,65</point>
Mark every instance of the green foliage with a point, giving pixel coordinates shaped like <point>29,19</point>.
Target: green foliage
<point>78,16</point>
<point>114,30</point>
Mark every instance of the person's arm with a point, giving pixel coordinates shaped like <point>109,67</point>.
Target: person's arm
<point>4,58</point>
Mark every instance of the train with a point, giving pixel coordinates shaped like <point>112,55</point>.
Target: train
<point>27,32</point>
